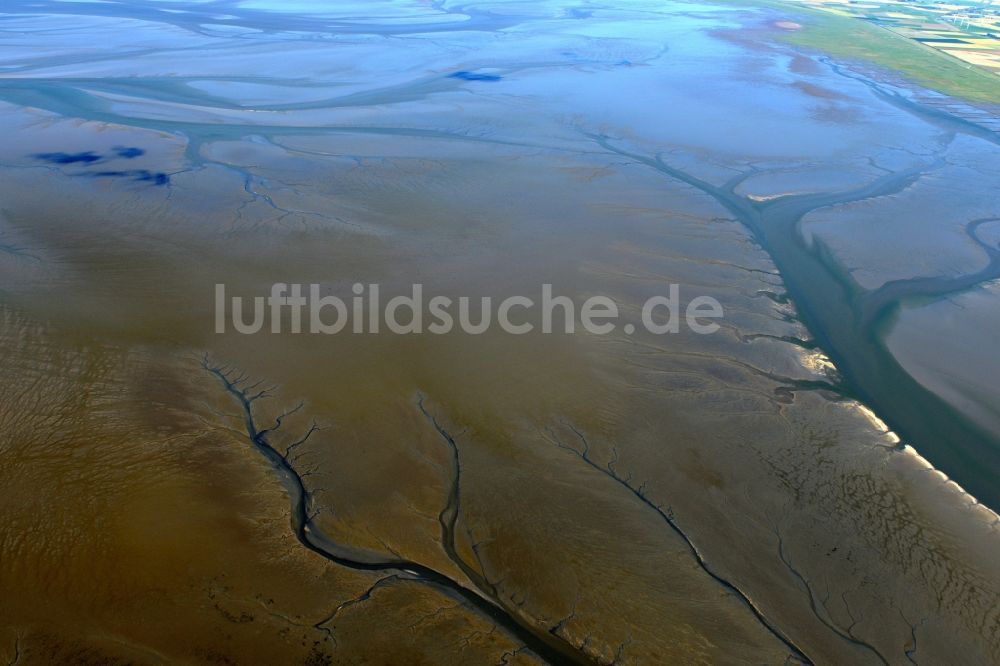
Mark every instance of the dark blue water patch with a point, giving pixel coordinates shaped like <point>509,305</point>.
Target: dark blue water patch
<point>157,178</point>
<point>474,76</point>
<point>87,157</point>
<point>129,152</point>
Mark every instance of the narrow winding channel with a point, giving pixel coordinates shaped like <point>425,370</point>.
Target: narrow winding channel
<point>550,647</point>
<point>848,322</point>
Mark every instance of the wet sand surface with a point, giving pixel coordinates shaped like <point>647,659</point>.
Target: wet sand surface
<point>173,495</point>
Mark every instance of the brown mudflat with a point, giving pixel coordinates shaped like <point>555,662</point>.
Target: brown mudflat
<point>175,495</point>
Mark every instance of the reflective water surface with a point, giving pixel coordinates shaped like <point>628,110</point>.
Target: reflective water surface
<point>174,495</point>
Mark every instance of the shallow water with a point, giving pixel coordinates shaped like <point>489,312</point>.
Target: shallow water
<point>492,498</point>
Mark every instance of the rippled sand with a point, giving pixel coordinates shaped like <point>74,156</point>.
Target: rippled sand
<point>620,499</point>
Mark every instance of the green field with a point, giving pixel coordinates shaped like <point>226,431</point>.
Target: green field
<point>855,38</point>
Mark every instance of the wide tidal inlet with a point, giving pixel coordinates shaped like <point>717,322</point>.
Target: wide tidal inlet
<point>723,391</point>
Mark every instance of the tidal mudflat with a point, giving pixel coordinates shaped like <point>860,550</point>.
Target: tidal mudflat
<point>813,483</point>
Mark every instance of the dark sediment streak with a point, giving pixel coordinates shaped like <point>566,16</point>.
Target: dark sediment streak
<point>666,515</point>
<point>937,117</point>
<point>832,307</point>
<point>547,646</point>
<point>879,305</point>
<point>847,635</point>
